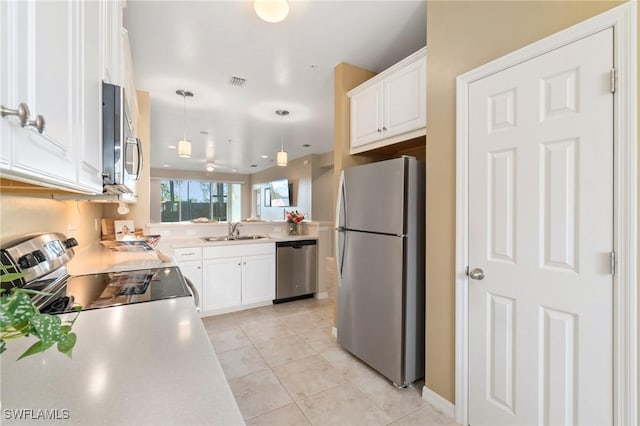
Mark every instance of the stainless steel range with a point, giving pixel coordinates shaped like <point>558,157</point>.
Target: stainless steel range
<point>42,259</point>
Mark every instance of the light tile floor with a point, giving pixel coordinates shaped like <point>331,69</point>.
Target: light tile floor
<point>285,368</point>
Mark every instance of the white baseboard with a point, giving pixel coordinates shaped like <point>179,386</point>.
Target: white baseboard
<point>438,402</point>
<point>334,332</point>
<point>322,295</point>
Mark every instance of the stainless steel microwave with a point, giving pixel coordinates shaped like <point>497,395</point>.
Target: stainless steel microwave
<point>121,150</point>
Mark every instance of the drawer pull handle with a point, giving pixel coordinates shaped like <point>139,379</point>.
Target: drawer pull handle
<point>22,112</point>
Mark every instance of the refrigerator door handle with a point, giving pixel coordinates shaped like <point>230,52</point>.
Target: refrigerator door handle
<point>340,228</point>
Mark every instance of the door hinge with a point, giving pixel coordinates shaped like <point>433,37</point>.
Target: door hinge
<point>466,271</point>
<point>612,262</point>
<point>613,80</point>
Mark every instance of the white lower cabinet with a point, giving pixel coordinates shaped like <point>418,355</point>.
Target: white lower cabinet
<point>258,285</point>
<point>223,283</point>
<point>230,277</point>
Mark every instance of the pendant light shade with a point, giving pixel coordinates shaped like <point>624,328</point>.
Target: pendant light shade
<point>281,156</point>
<point>271,10</point>
<point>184,145</point>
<point>184,148</point>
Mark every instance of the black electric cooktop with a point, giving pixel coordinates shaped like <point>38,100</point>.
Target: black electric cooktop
<point>117,288</point>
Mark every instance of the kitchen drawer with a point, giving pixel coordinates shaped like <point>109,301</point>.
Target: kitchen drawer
<point>188,253</point>
<point>238,250</point>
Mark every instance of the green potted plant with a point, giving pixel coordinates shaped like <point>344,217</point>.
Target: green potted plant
<point>19,317</point>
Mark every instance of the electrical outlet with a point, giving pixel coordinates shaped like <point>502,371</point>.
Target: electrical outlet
<point>70,229</point>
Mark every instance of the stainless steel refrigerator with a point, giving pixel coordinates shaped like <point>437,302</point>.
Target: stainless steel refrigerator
<point>380,259</point>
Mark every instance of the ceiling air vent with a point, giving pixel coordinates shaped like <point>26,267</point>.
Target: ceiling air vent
<point>237,81</point>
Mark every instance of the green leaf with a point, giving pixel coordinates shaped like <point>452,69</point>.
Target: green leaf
<point>31,291</point>
<point>47,328</point>
<point>5,278</point>
<point>20,307</point>
<point>20,318</point>
<point>67,343</point>
<point>37,347</point>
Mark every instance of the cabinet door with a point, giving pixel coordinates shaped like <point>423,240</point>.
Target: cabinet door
<point>88,112</point>
<point>192,270</point>
<point>405,105</point>
<point>44,79</point>
<point>111,41</point>
<point>8,125</point>
<point>222,283</point>
<point>258,279</point>
<point>366,116</point>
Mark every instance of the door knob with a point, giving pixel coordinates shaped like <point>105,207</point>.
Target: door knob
<point>476,274</point>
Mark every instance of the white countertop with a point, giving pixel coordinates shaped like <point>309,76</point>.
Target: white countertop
<point>142,364</point>
<point>147,363</point>
<point>96,259</point>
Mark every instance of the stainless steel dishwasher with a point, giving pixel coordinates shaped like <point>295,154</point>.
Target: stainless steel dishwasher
<point>296,274</point>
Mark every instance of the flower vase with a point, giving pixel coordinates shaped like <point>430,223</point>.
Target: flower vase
<point>293,229</point>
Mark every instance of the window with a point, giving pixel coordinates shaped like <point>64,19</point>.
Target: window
<point>183,200</point>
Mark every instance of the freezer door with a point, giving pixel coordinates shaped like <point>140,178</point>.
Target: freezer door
<point>374,197</point>
<point>370,301</point>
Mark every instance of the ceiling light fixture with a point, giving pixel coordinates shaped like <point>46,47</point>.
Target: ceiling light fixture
<point>184,145</point>
<point>209,167</point>
<point>281,156</point>
<point>271,10</point>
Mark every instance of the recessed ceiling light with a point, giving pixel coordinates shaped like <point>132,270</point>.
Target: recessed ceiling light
<point>209,167</point>
<point>264,156</point>
<point>306,145</point>
<point>314,66</point>
<point>172,147</point>
<point>165,165</point>
<point>234,170</point>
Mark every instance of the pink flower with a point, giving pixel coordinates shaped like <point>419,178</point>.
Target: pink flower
<point>294,217</point>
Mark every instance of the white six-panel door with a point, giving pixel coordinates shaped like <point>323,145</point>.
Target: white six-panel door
<point>541,232</point>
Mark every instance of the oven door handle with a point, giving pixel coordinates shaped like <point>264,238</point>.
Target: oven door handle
<point>194,292</point>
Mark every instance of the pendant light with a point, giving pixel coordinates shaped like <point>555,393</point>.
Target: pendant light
<point>184,145</point>
<point>271,10</point>
<point>281,156</point>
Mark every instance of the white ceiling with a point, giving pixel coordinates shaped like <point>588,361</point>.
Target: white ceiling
<point>289,65</point>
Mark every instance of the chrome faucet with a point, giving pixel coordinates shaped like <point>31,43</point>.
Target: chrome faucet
<point>233,231</point>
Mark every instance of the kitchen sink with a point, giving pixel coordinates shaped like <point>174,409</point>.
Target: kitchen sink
<point>238,238</point>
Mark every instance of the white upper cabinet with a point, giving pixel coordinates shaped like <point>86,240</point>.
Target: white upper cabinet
<point>366,115</point>
<point>54,58</point>
<point>390,107</point>
<point>111,41</point>
<point>42,55</point>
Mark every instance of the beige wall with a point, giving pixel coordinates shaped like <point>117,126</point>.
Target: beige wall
<point>322,204</point>
<point>20,215</point>
<point>461,35</point>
